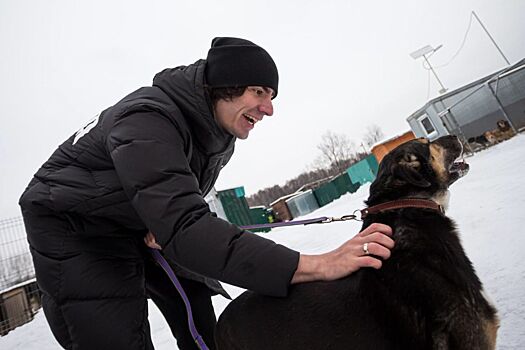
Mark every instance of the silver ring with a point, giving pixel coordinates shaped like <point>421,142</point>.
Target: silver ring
<point>365,249</point>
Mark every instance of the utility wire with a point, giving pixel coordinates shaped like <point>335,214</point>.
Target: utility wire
<point>428,84</point>
<point>457,52</point>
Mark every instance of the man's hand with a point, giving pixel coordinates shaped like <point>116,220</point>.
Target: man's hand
<point>348,258</point>
<point>151,241</point>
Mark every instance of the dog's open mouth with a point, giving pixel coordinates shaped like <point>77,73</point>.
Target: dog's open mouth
<point>459,167</point>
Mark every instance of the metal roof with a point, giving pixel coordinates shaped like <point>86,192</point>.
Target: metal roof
<point>501,73</point>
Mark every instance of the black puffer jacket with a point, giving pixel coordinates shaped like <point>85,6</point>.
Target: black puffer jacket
<point>145,164</point>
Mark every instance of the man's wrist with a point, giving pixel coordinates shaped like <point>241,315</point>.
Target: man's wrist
<point>309,269</point>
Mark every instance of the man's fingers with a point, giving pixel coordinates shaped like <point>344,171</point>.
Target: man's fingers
<point>366,249</point>
<point>375,227</point>
<point>380,238</point>
<point>378,250</point>
<point>151,242</point>
<point>369,261</point>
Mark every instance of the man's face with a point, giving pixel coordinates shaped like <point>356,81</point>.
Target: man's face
<point>239,116</point>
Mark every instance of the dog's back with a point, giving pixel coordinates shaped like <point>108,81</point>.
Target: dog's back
<point>319,315</point>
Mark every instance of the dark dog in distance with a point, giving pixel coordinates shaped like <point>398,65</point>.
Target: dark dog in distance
<point>426,296</point>
<point>502,132</point>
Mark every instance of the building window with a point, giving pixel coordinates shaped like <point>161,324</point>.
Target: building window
<point>428,126</point>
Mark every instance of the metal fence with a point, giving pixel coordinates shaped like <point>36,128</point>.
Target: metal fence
<point>484,112</point>
<point>501,98</point>
<point>16,265</point>
<point>19,294</point>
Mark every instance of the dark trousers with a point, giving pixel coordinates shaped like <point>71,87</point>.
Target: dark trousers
<point>94,289</point>
<point>165,296</point>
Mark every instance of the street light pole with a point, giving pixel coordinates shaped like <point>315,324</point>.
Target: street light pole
<point>443,89</point>
<point>423,52</point>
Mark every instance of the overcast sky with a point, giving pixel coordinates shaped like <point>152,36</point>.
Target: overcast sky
<point>343,65</point>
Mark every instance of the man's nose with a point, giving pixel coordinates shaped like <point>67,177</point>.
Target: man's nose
<point>266,107</point>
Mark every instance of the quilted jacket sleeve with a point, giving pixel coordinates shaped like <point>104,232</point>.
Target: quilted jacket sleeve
<point>147,149</point>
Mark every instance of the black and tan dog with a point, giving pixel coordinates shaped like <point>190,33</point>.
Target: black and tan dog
<point>426,296</point>
<point>502,132</point>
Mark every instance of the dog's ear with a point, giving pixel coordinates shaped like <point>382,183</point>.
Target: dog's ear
<point>408,169</point>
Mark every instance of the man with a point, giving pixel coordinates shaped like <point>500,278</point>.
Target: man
<point>141,168</point>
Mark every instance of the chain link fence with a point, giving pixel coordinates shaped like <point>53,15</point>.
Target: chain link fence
<point>491,112</point>
<point>19,294</point>
<point>16,265</point>
<point>482,113</point>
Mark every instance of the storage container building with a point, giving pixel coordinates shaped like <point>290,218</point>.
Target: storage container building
<point>380,150</point>
<point>344,184</point>
<point>302,203</point>
<point>475,108</point>
<point>18,305</point>
<point>260,215</point>
<point>280,208</point>
<point>363,171</point>
<point>326,193</point>
<point>235,206</point>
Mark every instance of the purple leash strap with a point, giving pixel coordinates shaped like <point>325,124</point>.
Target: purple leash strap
<point>169,271</point>
<point>319,220</point>
<point>286,223</point>
<point>167,268</point>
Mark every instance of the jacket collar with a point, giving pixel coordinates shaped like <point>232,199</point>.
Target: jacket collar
<point>185,86</point>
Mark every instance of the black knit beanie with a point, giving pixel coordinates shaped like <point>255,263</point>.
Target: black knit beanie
<point>238,62</point>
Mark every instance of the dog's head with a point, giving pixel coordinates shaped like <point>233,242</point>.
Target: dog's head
<point>491,138</point>
<point>503,125</point>
<point>418,169</point>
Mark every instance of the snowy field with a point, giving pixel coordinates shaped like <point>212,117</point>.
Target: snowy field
<point>488,205</point>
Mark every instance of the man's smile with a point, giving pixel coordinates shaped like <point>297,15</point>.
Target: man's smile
<point>252,120</point>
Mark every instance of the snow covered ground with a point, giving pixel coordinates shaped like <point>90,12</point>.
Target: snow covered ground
<point>488,206</point>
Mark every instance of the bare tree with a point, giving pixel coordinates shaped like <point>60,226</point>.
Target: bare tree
<point>373,135</point>
<point>337,151</point>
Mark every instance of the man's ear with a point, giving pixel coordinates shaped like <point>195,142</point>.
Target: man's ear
<point>408,168</point>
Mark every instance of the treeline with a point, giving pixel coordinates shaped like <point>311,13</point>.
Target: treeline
<point>337,153</point>
<point>308,179</point>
